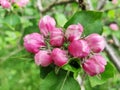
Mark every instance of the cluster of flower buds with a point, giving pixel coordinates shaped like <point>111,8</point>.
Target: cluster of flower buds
<point>8,3</point>
<point>49,46</point>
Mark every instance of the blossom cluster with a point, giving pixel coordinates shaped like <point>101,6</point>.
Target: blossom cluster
<point>8,3</point>
<point>54,45</point>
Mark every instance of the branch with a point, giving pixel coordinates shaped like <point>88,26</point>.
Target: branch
<point>55,3</point>
<point>11,54</point>
<point>116,41</point>
<point>101,4</point>
<point>114,58</point>
<point>82,4</point>
<point>117,7</point>
<point>39,5</point>
<point>90,6</point>
<point>80,81</point>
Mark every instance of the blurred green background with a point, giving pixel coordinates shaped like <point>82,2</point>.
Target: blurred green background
<point>17,68</point>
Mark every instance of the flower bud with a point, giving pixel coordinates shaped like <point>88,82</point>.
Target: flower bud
<point>43,58</point>
<point>114,1</point>
<point>5,4</point>
<point>94,65</point>
<point>74,32</point>
<point>22,3</point>
<point>59,57</point>
<point>32,42</point>
<point>96,42</point>
<point>114,26</point>
<point>46,24</point>
<point>79,48</point>
<point>12,1</point>
<point>57,37</point>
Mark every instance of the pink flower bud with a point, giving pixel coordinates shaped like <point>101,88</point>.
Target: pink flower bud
<point>46,24</point>
<point>32,42</point>
<point>57,37</point>
<point>114,26</point>
<point>114,1</point>
<point>79,48</point>
<point>12,1</point>
<point>43,58</point>
<point>94,65</point>
<point>74,32</point>
<point>59,57</point>
<point>5,4</point>
<point>96,42</point>
<point>22,3</point>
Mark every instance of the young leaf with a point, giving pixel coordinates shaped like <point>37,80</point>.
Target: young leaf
<point>12,20</point>
<point>61,19</point>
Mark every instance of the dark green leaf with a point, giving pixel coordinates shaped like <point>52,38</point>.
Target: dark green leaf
<point>59,82</point>
<point>89,19</point>
<point>44,71</point>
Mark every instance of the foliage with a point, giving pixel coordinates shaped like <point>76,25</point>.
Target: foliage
<point>17,68</point>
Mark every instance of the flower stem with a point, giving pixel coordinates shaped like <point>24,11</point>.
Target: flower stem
<point>65,79</point>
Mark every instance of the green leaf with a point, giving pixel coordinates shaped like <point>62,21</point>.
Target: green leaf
<point>61,19</point>
<point>90,20</point>
<point>60,81</point>
<point>44,71</point>
<point>109,73</point>
<point>12,20</point>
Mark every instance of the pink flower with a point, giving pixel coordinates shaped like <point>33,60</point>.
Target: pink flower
<point>114,1</point>
<point>59,57</point>
<point>46,25</point>
<point>5,3</point>
<point>43,58</point>
<point>94,65</point>
<point>21,3</point>
<point>32,42</point>
<point>79,48</point>
<point>57,37</point>
<point>96,42</point>
<point>74,32</point>
<point>114,26</point>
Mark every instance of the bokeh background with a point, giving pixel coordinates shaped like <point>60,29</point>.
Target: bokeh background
<point>17,68</point>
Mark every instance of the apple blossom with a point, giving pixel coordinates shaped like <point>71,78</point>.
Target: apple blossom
<point>79,48</point>
<point>96,42</point>
<point>94,65</point>
<point>43,58</point>
<point>59,57</point>
<point>74,32</point>
<point>46,24</point>
<point>32,42</point>
<point>57,37</point>
<point>5,3</point>
<point>114,26</point>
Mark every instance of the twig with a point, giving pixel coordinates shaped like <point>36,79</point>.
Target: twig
<point>39,4</point>
<point>116,41</point>
<point>55,3</point>
<point>11,54</point>
<point>117,7</point>
<point>114,58</point>
<point>82,4</point>
<point>90,6</point>
<point>80,81</point>
<point>101,4</point>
